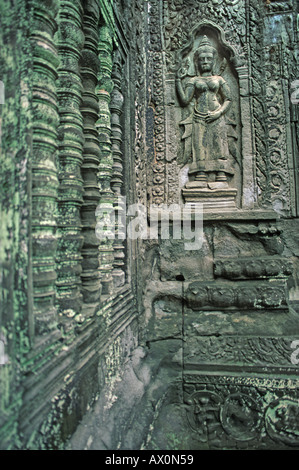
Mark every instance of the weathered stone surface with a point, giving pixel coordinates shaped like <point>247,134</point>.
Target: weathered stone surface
<point>185,340</point>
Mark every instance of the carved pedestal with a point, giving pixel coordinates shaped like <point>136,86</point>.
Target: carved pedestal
<point>224,198</point>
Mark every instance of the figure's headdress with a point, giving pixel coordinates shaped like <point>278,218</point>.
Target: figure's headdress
<point>206,44</point>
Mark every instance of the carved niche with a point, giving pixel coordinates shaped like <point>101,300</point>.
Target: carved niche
<point>209,114</point>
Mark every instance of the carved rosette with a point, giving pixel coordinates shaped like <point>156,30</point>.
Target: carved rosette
<point>91,286</point>
<point>70,41</point>
<point>44,157</point>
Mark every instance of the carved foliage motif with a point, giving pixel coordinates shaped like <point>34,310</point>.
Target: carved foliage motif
<point>278,164</point>
<point>245,350</point>
<point>252,268</point>
<point>269,102</point>
<point>181,17</point>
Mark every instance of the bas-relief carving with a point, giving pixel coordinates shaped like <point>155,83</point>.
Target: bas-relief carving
<point>205,126</point>
<point>238,412</point>
<point>266,179</point>
<point>207,90</point>
<point>229,413</point>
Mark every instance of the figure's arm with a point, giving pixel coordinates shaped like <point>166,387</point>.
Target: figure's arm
<point>186,95</point>
<point>226,97</point>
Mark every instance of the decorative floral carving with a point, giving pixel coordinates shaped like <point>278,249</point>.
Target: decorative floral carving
<point>245,350</point>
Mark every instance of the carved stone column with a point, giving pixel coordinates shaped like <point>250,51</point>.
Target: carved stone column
<point>117,101</point>
<point>44,157</point>
<point>70,42</point>
<point>104,89</point>
<point>90,108</point>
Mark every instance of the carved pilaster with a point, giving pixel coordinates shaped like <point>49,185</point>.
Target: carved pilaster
<point>261,141</point>
<point>138,70</point>
<point>44,156</point>
<point>117,101</point>
<point>104,89</point>
<point>90,107</point>
<point>70,133</point>
<point>157,99</point>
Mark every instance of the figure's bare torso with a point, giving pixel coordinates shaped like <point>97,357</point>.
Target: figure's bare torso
<point>206,93</point>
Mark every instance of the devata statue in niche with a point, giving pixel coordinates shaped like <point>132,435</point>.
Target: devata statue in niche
<point>208,96</point>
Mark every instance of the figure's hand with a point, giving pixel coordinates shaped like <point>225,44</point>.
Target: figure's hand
<point>213,115</point>
<point>181,73</point>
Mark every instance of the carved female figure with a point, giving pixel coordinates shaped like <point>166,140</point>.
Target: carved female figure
<point>205,128</point>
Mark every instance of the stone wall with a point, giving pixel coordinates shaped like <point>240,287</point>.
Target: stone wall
<point>68,312</point>
<point>230,304</point>
<point>216,367</point>
<point>183,336</point>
